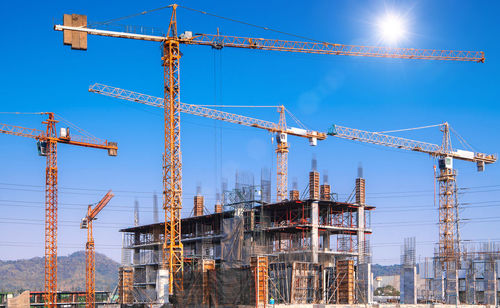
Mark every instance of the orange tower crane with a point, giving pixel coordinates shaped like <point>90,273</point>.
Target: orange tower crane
<point>47,146</point>
<point>75,30</point>
<point>448,206</point>
<point>280,129</point>
<point>86,223</point>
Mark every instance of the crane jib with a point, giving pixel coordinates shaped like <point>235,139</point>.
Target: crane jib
<point>219,41</point>
<point>408,144</point>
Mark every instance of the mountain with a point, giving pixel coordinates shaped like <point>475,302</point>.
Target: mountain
<point>385,270</point>
<point>28,274</point>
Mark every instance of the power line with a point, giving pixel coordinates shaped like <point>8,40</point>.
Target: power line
<point>410,193</point>
<point>254,25</point>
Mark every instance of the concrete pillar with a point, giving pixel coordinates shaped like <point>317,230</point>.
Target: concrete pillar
<point>408,285</point>
<point>451,291</point>
<point>326,241</point>
<point>314,231</point>
<point>360,201</point>
<point>438,285</point>
<point>162,286</point>
<point>365,281</point>
<point>361,234</point>
<point>490,284</point>
<point>471,285</point>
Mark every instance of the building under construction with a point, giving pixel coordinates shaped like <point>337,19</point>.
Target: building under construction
<point>306,249</point>
<point>474,279</point>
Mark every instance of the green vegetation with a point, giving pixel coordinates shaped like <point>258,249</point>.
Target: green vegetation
<point>29,274</point>
<point>386,291</point>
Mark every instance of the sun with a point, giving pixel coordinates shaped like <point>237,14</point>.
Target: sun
<point>392,28</point>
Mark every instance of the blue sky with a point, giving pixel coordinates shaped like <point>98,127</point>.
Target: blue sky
<point>40,74</point>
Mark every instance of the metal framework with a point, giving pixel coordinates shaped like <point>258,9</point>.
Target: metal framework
<point>87,223</point>
<point>448,205</point>
<point>408,144</point>
<point>171,55</point>
<point>325,48</point>
<point>205,112</point>
<point>280,127</point>
<point>51,211</point>
<point>334,49</point>
<point>172,161</point>
<point>282,159</point>
<point>49,140</point>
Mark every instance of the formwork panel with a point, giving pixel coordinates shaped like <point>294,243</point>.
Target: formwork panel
<point>125,285</point>
<point>306,283</point>
<point>345,281</point>
<point>260,267</point>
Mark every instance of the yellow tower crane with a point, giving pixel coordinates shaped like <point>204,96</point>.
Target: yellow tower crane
<point>280,129</point>
<point>87,223</point>
<point>75,30</point>
<point>47,146</point>
<point>448,205</point>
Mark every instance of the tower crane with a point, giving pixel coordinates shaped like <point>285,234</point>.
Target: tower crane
<point>280,129</point>
<point>47,146</point>
<point>448,212</point>
<point>86,223</point>
<point>75,31</point>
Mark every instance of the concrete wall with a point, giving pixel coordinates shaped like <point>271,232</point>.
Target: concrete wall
<point>408,285</point>
<point>386,281</point>
<point>20,301</point>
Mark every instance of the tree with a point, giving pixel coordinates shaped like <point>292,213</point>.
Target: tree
<point>387,290</point>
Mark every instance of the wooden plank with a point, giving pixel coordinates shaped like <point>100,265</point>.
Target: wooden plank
<point>67,34</point>
<point>83,35</point>
<point>345,283</point>
<point>75,36</point>
<point>79,39</point>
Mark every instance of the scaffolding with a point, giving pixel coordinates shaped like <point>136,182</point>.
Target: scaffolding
<point>474,280</point>
<point>310,247</point>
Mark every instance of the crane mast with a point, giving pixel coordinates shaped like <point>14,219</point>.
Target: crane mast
<point>449,236</point>
<point>75,34</point>
<point>449,244</point>
<point>282,158</point>
<point>173,256</point>
<point>47,146</point>
<point>51,210</point>
<point>87,223</point>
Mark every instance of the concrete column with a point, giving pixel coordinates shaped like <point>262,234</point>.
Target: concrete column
<point>408,285</point>
<point>471,285</point>
<point>360,201</point>
<point>326,240</point>
<point>490,281</point>
<point>361,234</point>
<point>314,231</point>
<point>451,291</point>
<point>365,280</point>
<point>162,286</point>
